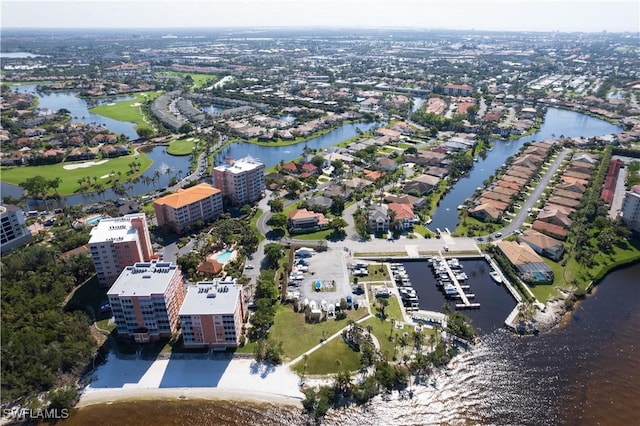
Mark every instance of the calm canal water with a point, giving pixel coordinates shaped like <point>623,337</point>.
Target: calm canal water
<point>79,108</point>
<point>584,373</point>
<point>556,122</point>
<point>272,155</point>
<point>169,165</point>
<point>495,300</point>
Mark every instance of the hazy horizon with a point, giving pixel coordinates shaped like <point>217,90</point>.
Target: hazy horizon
<point>465,15</point>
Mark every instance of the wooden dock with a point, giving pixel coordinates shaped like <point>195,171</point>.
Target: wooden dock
<point>466,304</point>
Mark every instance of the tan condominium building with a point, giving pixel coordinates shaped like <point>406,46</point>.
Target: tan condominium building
<point>118,242</point>
<point>184,208</point>
<point>241,181</point>
<point>212,315</point>
<point>145,300</point>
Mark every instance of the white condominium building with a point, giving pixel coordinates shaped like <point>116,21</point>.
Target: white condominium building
<point>116,243</point>
<point>241,181</point>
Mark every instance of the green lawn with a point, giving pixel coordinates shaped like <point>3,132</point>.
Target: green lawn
<point>183,146</point>
<point>297,336</point>
<point>254,222</point>
<point>69,184</point>
<point>422,230</point>
<point>129,111</point>
<point>318,235</point>
<point>392,311</point>
<point>199,79</point>
<point>333,356</point>
<point>382,330</point>
<point>376,273</point>
<point>583,275</point>
<point>485,227</point>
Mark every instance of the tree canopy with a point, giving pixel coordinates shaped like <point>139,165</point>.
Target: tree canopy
<point>41,341</point>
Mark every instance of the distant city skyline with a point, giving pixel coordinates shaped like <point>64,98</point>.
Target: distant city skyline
<point>498,15</point>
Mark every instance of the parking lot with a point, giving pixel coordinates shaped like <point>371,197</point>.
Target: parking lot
<point>330,269</point>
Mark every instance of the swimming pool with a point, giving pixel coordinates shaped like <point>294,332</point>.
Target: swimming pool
<point>224,256</point>
<point>94,220</point>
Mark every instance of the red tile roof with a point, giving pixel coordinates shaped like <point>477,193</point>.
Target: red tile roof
<point>402,211</point>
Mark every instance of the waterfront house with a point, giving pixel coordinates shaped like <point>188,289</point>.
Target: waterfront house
<point>564,201</point>
<point>378,218</point>
<point>416,202</point>
<point>529,266</point>
<point>550,229</point>
<point>303,220</point>
<point>402,215</point>
<point>555,217</point>
<point>542,244</point>
<point>485,212</point>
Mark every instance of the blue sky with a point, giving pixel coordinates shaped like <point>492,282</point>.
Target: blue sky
<point>540,15</point>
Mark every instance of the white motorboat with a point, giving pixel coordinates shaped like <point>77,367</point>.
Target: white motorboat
<point>496,276</point>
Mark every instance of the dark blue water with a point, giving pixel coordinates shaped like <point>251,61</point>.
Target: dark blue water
<point>557,122</point>
<point>585,373</point>
<point>496,303</point>
<point>272,155</point>
<point>79,109</point>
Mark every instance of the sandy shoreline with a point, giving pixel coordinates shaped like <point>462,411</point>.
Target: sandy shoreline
<point>178,379</point>
<point>110,396</point>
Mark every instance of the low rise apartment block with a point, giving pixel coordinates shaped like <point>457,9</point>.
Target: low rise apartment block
<point>241,181</point>
<point>182,209</point>
<point>146,299</point>
<point>116,243</point>
<point>212,315</point>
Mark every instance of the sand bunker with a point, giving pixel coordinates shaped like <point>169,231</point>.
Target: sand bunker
<point>84,165</point>
<point>137,104</point>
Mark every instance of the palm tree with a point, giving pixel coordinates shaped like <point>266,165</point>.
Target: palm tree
<point>418,340</point>
<point>403,342</point>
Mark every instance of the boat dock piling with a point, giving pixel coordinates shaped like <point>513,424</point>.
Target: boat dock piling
<point>461,294</point>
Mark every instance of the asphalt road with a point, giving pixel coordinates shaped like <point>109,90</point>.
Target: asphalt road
<point>531,201</point>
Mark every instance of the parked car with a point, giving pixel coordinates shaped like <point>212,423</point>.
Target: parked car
<point>349,301</point>
<point>105,308</point>
<point>248,267</point>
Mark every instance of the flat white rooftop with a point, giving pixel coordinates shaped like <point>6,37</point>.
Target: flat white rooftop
<point>144,279</point>
<point>211,298</point>
<point>240,166</point>
<point>115,229</point>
